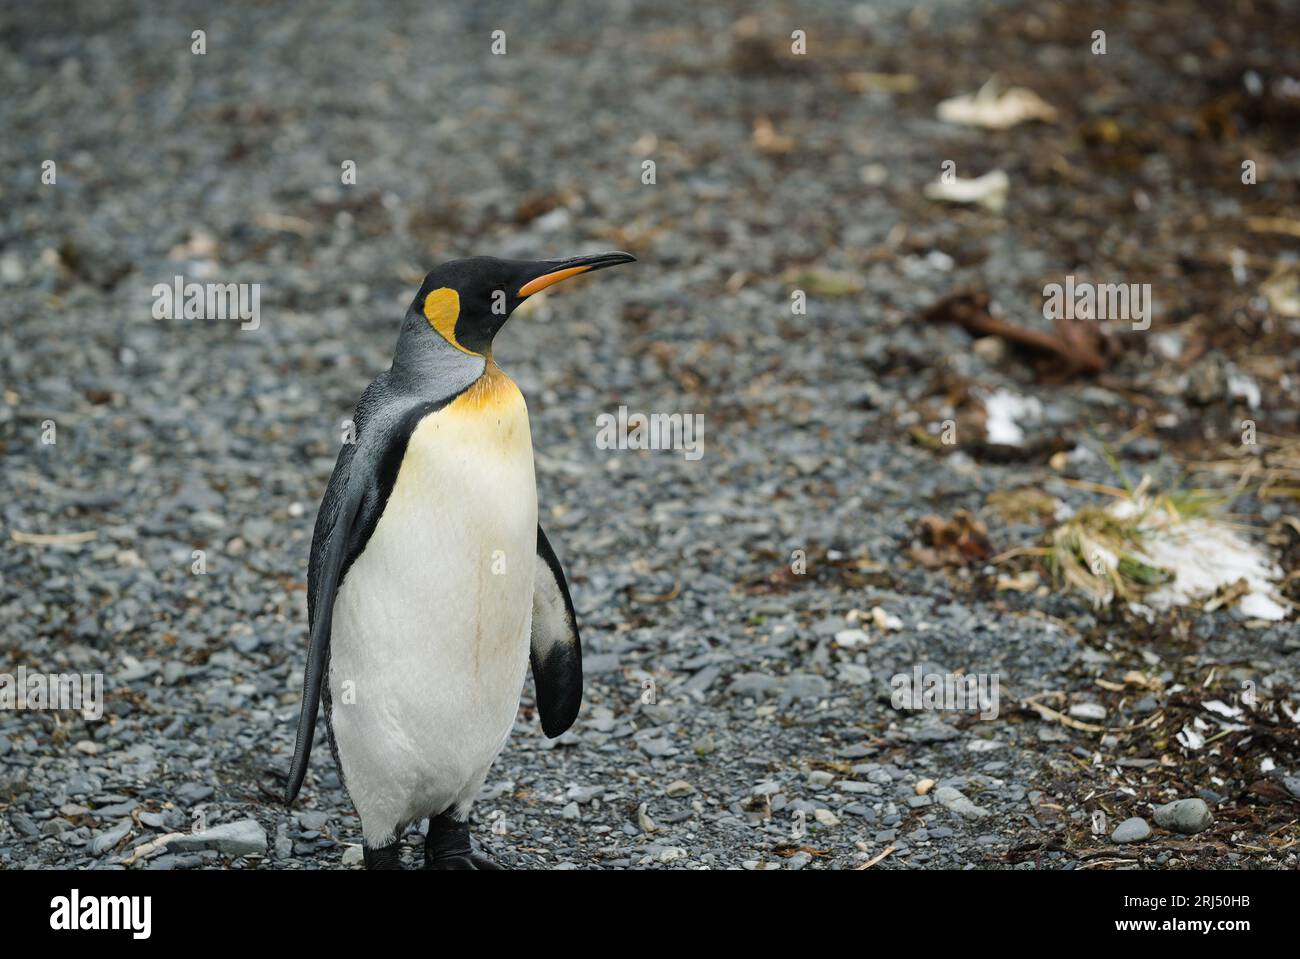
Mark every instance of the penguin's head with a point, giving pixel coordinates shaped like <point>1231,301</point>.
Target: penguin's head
<point>466,302</point>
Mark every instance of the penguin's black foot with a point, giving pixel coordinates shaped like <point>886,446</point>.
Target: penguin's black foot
<point>385,857</point>
<point>447,846</point>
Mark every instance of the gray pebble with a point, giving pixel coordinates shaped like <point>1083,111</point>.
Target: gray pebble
<point>192,793</point>
<point>105,841</point>
<point>233,839</point>
<point>24,824</point>
<point>1187,816</point>
<point>955,801</point>
<point>1131,830</point>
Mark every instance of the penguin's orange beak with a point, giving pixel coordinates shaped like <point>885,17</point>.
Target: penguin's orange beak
<point>556,270</point>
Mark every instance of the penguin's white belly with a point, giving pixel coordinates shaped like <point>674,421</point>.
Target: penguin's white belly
<point>431,626</point>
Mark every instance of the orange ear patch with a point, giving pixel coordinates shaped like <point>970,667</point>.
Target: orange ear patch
<point>441,309</point>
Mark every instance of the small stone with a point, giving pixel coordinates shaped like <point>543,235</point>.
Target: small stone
<point>854,674</point>
<point>601,663</point>
<point>1131,830</point>
<point>116,810</point>
<point>932,731</point>
<point>241,838</point>
<point>828,626</point>
<point>173,671</point>
<point>657,748</point>
<point>353,856</point>
<point>82,784</point>
<point>313,820</point>
<point>819,778</point>
<point>571,811</point>
<point>191,794</point>
<point>584,794</point>
<point>106,841</point>
<point>283,844</point>
<point>806,686</point>
<point>679,787</point>
<point>1214,799</point>
<point>885,621</point>
<point>954,801</point>
<point>1187,816</point>
<point>1093,711</point>
<point>924,786</point>
<point>851,639</point>
<point>247,642</point>
<point>826,818</point>
<point>89,747</point>
<point>754,685</point>
<point>24,824</point>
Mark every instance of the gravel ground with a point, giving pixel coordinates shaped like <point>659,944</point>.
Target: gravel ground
<point>737,713</point>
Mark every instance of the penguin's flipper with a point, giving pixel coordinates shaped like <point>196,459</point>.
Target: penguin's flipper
<point>556,653</point>
<point>354,499</point>
<point>328,556</point>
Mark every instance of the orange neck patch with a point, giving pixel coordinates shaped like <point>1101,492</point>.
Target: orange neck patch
<point>491,392</point>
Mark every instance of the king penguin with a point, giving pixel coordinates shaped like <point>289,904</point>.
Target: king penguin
<point>431,586</point>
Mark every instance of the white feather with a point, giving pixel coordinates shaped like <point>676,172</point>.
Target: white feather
<point>550,616</point>
<point>432,623</point>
